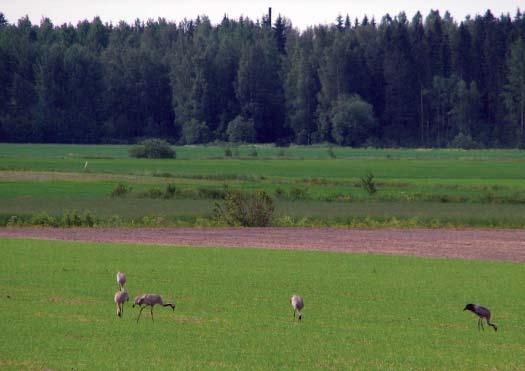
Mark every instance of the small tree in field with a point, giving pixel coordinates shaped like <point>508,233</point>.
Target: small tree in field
<point>367,182</point>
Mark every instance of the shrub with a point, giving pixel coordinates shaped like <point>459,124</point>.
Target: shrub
<point>170,190</point>
<point>279,192</point>
<point>241,130</point>
<point>71,219</point>
<point>152,148</point>
<point>195,132</point>
<point>44,220</point>
<point>253,152</point>
<point>297,194</point>
<point>245,209</point>
<point>87,219</point>
<point>13,221</point>
<point>228,152</point>
<point>120,190</point>
<point>137,151</point>
<point>367,182</point>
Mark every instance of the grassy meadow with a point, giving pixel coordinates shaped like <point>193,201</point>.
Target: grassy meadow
<point>361,311</point>
<point>315,185</point>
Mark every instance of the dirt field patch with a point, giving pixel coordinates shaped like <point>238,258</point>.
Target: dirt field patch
<point>465,244</point>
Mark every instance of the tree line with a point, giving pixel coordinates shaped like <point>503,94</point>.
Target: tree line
<point>427,82</point>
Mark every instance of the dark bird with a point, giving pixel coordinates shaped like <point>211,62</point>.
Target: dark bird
<point>481,312</point>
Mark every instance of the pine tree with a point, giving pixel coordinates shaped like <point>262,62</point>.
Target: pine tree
<point>301,88</point>
<point>339,24</point>
<point>401,86</point>
<point>259,87</point>
<point>280,28</point>
<point>466,109</point>
<point>514,92</point>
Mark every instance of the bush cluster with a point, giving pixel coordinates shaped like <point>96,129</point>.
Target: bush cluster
<point>245,209</point>
<point>152,148</point>
<point>120,190</point>
<point>367,182</point>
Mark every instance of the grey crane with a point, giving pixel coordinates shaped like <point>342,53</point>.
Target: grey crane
<point>121,280</point>
<point>120,298</point>
<point>150,300</point>
<point>482,313</point>
<point>297,305</point>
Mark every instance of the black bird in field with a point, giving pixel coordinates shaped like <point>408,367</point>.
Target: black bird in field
<point>481,312</point>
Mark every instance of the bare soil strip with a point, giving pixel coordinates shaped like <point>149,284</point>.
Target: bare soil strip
<point>485,244</point>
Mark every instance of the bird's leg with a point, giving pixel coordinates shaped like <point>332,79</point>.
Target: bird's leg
<point>141,309</point>
<point>493,325</point>
<point>152,314</point>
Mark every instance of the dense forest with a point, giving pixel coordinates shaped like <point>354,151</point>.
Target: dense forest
<point>422,82</point>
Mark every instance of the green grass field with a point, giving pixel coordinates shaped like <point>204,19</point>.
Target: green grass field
<point>362,311</point>
<point>201,152</point>
<point>418,187</point>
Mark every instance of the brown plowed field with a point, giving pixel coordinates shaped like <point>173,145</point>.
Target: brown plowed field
<point>466,244</point>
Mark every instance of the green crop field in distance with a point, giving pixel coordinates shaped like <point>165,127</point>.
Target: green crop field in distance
<point>361,311</point>
<point>411,183</point>
<point>263,150</point>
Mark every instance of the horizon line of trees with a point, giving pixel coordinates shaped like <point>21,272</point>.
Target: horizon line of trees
<point>424,82</point>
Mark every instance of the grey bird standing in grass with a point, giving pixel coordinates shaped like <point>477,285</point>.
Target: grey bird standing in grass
<point>120,298</point>
<point>481,312</point>
<point>297,305</point>
<point>121,280</point>
<point>150,300</point>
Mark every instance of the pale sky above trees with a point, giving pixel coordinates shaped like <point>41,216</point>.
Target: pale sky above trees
<point>302,13</point>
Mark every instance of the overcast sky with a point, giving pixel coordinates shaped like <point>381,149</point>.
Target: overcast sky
<point>302,13</point>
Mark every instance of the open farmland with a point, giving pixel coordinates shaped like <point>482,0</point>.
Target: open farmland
<point>428,188</point>
<point>233,311</point>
